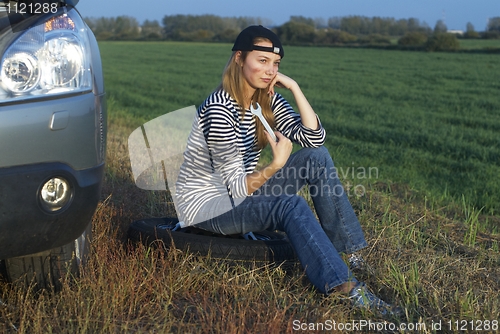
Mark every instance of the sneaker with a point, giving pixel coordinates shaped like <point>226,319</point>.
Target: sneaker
<point>361,297</point>
<point>356,262</point>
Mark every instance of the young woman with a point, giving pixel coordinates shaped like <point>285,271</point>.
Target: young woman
<point>220,190</point>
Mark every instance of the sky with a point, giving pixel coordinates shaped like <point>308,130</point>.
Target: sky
<point>455,13</point>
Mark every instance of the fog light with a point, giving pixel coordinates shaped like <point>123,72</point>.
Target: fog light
<point>55,194</point>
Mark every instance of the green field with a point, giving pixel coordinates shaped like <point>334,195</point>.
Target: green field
<point>480,44</point>
<point>427,120</point>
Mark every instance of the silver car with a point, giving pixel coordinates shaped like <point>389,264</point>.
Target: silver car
<point>52,138</point>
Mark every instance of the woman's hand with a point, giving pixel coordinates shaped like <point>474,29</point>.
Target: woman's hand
<point>281,152</point>
<point>281,149</point>
<point>307,114</point>
<point>281,81</point>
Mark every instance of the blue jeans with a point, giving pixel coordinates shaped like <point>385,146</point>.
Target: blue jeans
<point>276,206</point>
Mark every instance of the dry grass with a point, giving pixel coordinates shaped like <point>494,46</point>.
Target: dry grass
<point>429,260</point>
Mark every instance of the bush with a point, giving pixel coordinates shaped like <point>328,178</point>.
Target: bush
<point>296,33</point>
<point>227,36</point>
<point>471,35</point>
<point>374,39</point>
<point>334,36</point>
<point>442,42</point>
<point>103,36</point>
<point>200,35</point>
<point>491,35</point>
<point>413,39</point>
<point>152,36</point>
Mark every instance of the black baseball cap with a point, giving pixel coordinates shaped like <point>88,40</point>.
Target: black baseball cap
<point>244,41</point>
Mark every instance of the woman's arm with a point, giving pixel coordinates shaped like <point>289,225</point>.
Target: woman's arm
<point>281,152</point>
<point>217,136</point>
<point>307,114</point>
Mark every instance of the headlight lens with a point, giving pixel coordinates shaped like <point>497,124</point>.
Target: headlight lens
<point>48,59</point>
<point>55,194</point>
<point>63,59</point>
<point>20,74</point>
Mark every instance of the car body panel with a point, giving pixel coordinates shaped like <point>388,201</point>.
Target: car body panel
<point>28,134</point>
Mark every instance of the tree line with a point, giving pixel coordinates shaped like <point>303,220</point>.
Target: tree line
<point>299,30</point>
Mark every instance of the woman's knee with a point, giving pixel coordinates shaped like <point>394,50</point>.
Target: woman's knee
<point>319,154</point>
<point>296,203</point>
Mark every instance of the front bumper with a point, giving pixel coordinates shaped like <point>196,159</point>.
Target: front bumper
<point>25,227</point>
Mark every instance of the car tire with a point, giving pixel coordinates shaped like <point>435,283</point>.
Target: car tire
<point>46,269</point>
<point>270,247</point>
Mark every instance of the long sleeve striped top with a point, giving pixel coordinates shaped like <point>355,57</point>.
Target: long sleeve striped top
<point>221,151</point>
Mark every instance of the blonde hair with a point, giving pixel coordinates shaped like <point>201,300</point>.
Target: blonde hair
<point>233,82</point>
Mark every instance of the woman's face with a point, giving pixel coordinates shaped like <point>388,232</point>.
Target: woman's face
<point>260,67</point>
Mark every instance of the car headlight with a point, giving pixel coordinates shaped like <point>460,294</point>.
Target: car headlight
<point>50,58</point>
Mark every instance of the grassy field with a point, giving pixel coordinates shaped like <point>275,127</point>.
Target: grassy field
<point>427,123</point>
<point>479,44</point>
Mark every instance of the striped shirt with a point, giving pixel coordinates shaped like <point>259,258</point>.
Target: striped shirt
<point>221,151</point>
